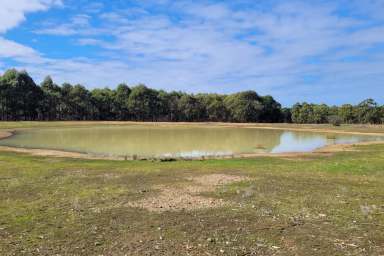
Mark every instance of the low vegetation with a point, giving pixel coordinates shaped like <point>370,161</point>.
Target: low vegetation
<point>22,99</point>
<point>311,205</point>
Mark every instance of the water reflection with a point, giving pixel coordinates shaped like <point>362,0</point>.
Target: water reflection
<point>174,141</point>
<point>306,142</point>
<point>294,142</point>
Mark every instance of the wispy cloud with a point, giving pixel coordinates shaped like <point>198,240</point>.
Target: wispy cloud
<point>19,52</point>
<point>319,50</point>
<point>77,23</point>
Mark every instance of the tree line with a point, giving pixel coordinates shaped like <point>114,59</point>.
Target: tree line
<point>366,112</point>
<point>22,99</point>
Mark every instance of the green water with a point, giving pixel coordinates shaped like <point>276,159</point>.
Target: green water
<point>174,141</point>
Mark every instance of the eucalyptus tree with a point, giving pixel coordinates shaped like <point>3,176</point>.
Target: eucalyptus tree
<point>286,115</point>
<point>164,112</point>
<point>143,103</point>
<point>368,111</point>
<point>3,100</point>
<point>244,106</point>
<point>20,96</point>
<point>191,108</point>
<point>347,114</point>
<point>22,99</point>
<point>271,111</point>
<point>76,102</point>
<point>173,106</point>
<point>50,105</point>
<point>103,104</point>
<point>320,113</point>
<point>214,107</point>
<point>302,113</point>
<point>121,102</point>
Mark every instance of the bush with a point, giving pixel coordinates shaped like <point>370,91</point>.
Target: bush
<point>334,120</point>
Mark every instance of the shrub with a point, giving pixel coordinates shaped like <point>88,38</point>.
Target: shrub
<point>334,120</point>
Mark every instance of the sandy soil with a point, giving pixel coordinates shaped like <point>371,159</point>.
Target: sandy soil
<point>5,134</point>
<point>187,196</point>
<point>344,147</point>
<point>55,153</point>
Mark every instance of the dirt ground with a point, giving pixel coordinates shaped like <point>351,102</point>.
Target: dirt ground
<point>187,196</point>
<point>318,204</point>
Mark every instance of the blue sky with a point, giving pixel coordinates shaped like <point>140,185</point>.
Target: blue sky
<point>316,51</point>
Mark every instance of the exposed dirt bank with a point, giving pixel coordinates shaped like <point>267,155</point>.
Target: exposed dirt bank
<point>55,153</point>
<point>5,134</point>
<point>349,129</point>
<point>324,151</point>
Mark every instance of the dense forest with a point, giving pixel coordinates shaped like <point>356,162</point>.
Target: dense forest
<point>22,99</point>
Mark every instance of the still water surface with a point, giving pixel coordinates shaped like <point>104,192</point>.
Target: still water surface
<point>175,141</point>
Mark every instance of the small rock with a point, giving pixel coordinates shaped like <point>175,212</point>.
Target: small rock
<point>211,240</point>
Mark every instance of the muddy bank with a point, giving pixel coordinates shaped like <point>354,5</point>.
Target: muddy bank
<point>5,134</point>
<point>345,129</point>
<point>55,153</point>
<point>324,151</point>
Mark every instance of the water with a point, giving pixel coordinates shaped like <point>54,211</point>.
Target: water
<point>175,141</point>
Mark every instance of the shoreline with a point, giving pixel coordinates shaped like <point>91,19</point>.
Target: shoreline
<point>325,128</point>
<point>6,134</point>
<point>325,150</point>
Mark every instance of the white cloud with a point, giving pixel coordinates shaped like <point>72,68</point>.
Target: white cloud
<point>77,23</point>
<point>12,12</point>
<point>19,52</point>
<point>218,47</point>
<point>94,7</point>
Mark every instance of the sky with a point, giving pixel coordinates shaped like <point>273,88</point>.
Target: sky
<point>321,51</point>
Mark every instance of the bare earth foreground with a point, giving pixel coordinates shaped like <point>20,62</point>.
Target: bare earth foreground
<point>314,204</point>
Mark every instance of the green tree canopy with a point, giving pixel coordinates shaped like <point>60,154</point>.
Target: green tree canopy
<point>244,106</point>
<point>22,99</point>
